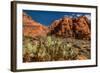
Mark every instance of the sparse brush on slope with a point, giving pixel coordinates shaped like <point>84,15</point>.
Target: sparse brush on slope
<point>51,48</point>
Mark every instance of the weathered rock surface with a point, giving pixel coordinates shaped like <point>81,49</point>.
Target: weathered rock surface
<point>62,27</point>
<point>82,28</point>
<point>72,27</point>
<point>32,28</point>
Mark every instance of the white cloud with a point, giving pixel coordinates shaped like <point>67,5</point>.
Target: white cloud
<point>68,16</point>
<point>78,15</point>
<point>73,14</point>
<point>88,16</point>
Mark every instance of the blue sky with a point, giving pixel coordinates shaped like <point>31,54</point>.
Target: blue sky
<point>47,17</point>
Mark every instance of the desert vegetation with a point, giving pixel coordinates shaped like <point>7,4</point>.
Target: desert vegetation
<point>51,48</point>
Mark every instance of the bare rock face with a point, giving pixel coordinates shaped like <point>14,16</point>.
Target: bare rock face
<point>62,27</point>
<point>32,28</point>
<point>72,27</point>
<point>81,28</point>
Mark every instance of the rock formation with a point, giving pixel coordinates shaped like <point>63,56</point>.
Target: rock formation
<point>81,28</point>
<point>71,27</point>
<point>78,27</point>
<point>32,28</point>
<point>62,27</point>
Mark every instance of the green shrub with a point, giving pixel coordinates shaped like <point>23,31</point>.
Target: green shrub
<point>51,48</point>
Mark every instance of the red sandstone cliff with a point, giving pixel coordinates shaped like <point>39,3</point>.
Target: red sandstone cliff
<point>32,28</point>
